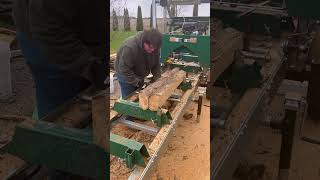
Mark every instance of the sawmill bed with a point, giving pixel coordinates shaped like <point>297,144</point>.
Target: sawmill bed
<point>156,145</point>
<point>243,117</point>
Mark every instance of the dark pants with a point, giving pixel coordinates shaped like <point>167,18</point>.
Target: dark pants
<point>126,89</point>
<point>53,86</point>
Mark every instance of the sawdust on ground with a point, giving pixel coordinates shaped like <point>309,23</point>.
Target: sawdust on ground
<point>118,169</point>
<point>188,152</point>
<point>266,144</point>
<point>21,104</point>
<point>223,137</point>
<point>8,163</point>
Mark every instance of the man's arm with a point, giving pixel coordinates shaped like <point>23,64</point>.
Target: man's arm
<point>126,65</point>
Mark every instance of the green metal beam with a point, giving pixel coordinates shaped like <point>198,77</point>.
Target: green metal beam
<point>200,50</point>
<point>131,151</point>
<point>62,148</point>
<point>185,85</point>
<point>133,109</point>
<point>189,69</point>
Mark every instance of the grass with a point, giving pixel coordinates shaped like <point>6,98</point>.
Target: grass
<point>117,38</point>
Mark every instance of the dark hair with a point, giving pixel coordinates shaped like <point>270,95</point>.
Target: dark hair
<point>152,36</point>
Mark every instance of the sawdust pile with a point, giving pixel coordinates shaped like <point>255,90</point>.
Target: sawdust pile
<point>8,163</point>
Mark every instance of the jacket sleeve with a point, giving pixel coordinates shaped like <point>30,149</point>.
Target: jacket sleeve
<point>126,64</point>
<point>51,25</point>
<point>156,69</point>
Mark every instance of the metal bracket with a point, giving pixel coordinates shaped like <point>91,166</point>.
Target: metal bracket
<point>131,151</point>
<point>133,109</point>
<point>185,85</point>
<point>150,130</point>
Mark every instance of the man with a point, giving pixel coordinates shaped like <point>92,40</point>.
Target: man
<point>64,43</point>
<point>136,58</point>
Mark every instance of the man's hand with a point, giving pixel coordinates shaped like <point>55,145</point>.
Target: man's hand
<point>140,83</point>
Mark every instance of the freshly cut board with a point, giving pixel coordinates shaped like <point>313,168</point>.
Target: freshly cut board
<point>222,52</point>
<point>156,94</point>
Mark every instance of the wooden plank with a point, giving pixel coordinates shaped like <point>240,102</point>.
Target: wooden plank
<point>145,94</point>
<point>223,52</point>
<point>158,98</point>
<point>100,123</point>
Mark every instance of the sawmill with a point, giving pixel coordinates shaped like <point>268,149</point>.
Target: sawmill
<point>83,139</point>
<point>136,147</point>
<point>263,84</point>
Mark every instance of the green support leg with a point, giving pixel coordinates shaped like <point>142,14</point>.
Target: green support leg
<point>131,151</point>
<point>72,150</point>
<point>133,109</point>
<point>61,148</point>
<point>184,86</point>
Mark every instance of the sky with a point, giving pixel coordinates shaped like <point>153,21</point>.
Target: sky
<point>132,6</point>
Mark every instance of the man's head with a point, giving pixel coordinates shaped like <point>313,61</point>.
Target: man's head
<point>151,40</point>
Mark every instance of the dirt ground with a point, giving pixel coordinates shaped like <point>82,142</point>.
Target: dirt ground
<point>188,153</point>
<point>265,149</point>
<point>21,104</point>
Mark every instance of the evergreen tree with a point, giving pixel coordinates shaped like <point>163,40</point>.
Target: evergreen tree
<point>195,10</point>
<point>139,25</point>
<point>128,21</point>
<point>115,24</point>
<point>125,19</point>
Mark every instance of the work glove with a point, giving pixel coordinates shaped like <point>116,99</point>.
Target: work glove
<point>140,84</point>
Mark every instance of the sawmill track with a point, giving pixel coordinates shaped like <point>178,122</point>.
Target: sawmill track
<point>224,141</point>
<point>156,145</point>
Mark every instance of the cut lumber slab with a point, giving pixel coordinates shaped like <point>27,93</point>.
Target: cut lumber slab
<point>160,95</point>
<point>223,52</point>
<point>178,109</point>
<point>145,94</point>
